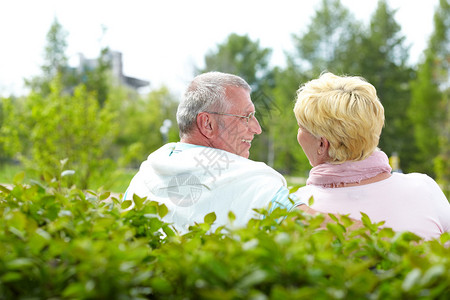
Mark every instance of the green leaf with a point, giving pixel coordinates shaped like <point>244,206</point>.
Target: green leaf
<point>4,189</point>
<point>11,276</point>
<point>19,264</point>
<point>126,204</point>
<point>254,278</point>
<point>294,188</point>
<point>346,220</point>
<point>168,231</point>
<point>138,202</point>
<point>316,221</point>
<point>17,232</point>
<point>63,162</point>
<point>411,279</point>
<point>18,178</point>
<point>231,217</point>
<point>155,224</point>
<point>219,229</point>
<point>334,218</point>
<point>161,285</point>
<point>210,218</point>
<point>74,290</point>
<point>432,275</point>
<point>102,224</point>
<point>368,223</point>
<point>337,229</point>
<point>91,193</point>
<point>162,210</point>
<point>386,233</point>
<point>104,196</point>
<point>445,238</point>
<point>47,177</point>
<point>39,240</point>
<point>17,220</point>
<point>115,200</point>
<point>44,234</point>
<point>38,184</point>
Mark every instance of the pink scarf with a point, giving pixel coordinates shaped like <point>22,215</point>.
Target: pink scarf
<point>331,175</point>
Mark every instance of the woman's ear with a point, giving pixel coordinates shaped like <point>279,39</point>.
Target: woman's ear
<point>323,147</point>
<point>205,124</point>
<point>324,143</point>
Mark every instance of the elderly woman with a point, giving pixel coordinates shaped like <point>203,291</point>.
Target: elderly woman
<point>340,121</point>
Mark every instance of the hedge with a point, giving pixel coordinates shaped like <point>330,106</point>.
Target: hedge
<point>64,243</point>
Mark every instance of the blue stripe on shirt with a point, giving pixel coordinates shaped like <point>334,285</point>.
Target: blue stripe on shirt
<point>282,199</point>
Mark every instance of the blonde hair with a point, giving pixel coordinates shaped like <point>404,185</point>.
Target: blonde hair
<point>344,110</point>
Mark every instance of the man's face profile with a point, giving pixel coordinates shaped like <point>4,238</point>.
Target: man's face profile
<point>235,133</point>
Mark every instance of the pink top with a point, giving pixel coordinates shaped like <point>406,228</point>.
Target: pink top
<point>407,202</point>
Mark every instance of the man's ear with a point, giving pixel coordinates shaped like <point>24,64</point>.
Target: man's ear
<point>205,124</point>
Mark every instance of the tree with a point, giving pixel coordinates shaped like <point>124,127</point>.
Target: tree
<point>98,79</point>
<point>289,158</point>
<point>382,59</point>
<point>337,43</point>
<point>241,56</point>
<point>429,110</point>
<point>69,128</point>
<point>326,45</point>
<point>55,62</point>
<point>10,129</point>
<point>140,123</point>
<point>55,50</point>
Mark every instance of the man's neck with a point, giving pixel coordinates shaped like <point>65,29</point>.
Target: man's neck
<point>196,140</point>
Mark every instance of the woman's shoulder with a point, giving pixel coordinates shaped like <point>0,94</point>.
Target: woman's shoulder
<point>416,178</point>
<point>418,182</point>
<point>305,192</point>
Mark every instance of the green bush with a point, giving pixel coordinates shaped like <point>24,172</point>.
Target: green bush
<point>64,243</point>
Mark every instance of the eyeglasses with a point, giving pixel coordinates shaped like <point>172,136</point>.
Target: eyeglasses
<point>250,115</point>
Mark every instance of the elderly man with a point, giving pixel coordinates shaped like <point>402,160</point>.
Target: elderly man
<point>209,170</point>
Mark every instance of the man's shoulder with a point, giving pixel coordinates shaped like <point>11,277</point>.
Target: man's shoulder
<point>202,161</point>
<point>258,166</point>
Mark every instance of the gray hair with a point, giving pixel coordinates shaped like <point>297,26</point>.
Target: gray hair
<point>206,91</point>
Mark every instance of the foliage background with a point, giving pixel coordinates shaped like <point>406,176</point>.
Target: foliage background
<point>66,243</point>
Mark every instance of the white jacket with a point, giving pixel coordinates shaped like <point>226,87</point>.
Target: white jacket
<point>193,181</point>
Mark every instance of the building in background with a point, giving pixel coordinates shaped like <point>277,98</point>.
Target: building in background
<point>116,63</point>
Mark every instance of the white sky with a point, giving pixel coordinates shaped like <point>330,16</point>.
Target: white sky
<point>162,41</point>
